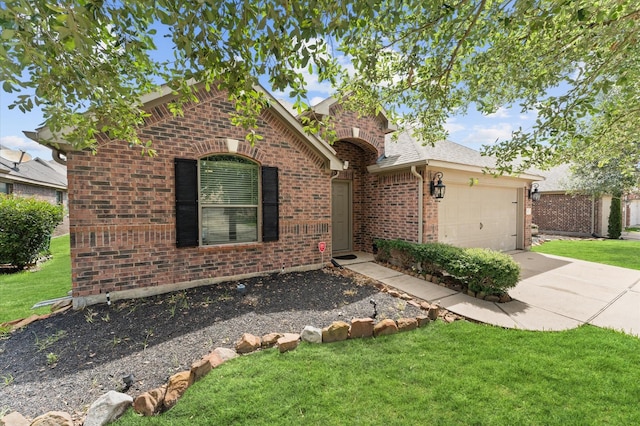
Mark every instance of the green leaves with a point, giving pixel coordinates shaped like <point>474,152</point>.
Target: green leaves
<point>576,63</point>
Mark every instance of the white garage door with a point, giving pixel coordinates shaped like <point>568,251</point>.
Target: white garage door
<point>634,207</point>
<point>477,216</point>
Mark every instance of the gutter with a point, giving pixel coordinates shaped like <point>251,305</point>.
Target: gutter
<point>420,202</point>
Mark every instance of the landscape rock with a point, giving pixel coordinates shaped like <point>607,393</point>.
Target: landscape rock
<point>270,339</point>
<point>405,296</point>
<point>407,324</point>
<point>150,402</point>
<point>248,343</point>
<point>394,293</point>
<point>434,311</point>
<point>26,321</point>
<point>492,298</point>
<point>337,331</point>
<point>177,386</point>
<point>107,408</point>
<point>504,298</point>
<point>311,334</point>
<point>202,367</point>
<point>361,327</point>
<point>225,353</point>
<point>414,303</point>
<point>53,418</point>
<point>385,327</point>
<point>288,342</point>
<point>425,305</point>
<point>14,419</point>
<point>422,320</point>
<point>449,317</point>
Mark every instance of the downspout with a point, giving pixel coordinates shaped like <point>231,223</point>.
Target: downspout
<point>420,202</point>
<point>57,157</point>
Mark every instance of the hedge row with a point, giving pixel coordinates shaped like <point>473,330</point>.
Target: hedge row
<point>482,270</point>
<point>26,225</point>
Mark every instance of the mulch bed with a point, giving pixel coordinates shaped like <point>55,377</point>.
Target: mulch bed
<point>156,336</point>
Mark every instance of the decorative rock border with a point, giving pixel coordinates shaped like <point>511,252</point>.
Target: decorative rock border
<point>56,308</point>
<point>112,405</point>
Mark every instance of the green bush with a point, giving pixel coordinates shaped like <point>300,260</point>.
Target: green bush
<point>26,225</point>
<point>482,270</point>
<point>436,258</point>
<point>615,219</point>
<point>486,271</point>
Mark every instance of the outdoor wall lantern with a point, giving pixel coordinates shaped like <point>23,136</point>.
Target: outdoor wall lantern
<point>534,195</point>
<point>437,189</point>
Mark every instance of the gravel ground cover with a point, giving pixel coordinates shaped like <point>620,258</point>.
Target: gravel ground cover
<point>67,361</point>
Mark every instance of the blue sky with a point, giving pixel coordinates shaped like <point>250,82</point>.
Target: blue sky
<point>472,130</point>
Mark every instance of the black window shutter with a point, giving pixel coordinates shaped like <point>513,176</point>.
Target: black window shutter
<point>270,211</point>
<point>186,202</point>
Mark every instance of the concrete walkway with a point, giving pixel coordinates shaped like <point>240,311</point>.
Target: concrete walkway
<point>554,293</point>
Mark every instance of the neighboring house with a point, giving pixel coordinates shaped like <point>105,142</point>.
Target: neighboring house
<point>560,212</point>
<point>210,207</point>
<point>631,210</point>
<point>37,178</point>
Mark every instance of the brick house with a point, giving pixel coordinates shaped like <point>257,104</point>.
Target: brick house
<point>560,212</point>
<point>37,178</point>
<point>211,208</point>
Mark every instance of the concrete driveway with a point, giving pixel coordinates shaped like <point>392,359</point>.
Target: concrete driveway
<point>555,293</point>
<point>584,292</point>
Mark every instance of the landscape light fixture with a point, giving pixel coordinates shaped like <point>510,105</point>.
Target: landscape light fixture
<point>437,189</point>
<point>534,195</point>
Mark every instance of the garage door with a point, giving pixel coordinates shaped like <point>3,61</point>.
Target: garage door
<point>634,207</point>
<point>477,216</point>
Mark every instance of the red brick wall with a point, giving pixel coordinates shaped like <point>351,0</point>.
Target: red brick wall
<point>564,213</point>
<point>391,208</point>
<point>122,204</point>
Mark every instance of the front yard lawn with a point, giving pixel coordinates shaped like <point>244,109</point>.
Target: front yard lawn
<point>442,374</point>
<point>20,291</point>
<point>622,253</point>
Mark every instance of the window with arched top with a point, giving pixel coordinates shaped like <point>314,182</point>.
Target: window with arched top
<point>225,199</point>
<point>229,199</point>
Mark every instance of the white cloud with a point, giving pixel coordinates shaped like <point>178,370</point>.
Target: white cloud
<point>452,126</point>
<point>21,143</point>
<point>488,135</point>
<point>502,112</point>
<point>529,115</point>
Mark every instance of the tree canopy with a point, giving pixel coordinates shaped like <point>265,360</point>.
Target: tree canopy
<point>576,63</point>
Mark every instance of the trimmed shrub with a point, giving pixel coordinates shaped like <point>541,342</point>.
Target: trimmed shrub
<point>486,271</point>
<point>436,258</point>
<point>482,270</point>
<point>26,225</point>
<point>615,219</point>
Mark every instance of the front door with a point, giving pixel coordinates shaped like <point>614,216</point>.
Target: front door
<point>341,216</point>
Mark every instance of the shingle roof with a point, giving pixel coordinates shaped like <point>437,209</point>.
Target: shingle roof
<point>556,178</point>
<point>407,150</point>
<point>36,172</point>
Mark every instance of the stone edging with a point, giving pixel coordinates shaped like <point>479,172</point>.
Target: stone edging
<point>112,405</point>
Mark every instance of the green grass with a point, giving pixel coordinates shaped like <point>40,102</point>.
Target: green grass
<point>20,291</point>
<point>632,229</point>
<point>461,373</point>
<point>622,253</point>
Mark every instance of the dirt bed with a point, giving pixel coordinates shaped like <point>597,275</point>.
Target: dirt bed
<point>65,362</point>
